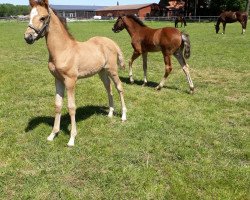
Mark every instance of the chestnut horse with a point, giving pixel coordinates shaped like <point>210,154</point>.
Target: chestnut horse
<point>70,60</point>
<point>231,17</point>
<point>180,19</point>
<point>170,41</point>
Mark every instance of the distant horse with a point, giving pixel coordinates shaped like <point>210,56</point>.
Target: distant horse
<point>170,41</point>
<point>231,17</point>
<point>180,19</point>
<point>70,60</point>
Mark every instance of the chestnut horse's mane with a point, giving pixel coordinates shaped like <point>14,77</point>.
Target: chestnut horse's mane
<point>136,19</point>
<point>64,23</point>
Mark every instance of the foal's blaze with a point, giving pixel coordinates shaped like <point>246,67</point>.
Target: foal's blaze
<point>70,60</point>
<point>170,41</point>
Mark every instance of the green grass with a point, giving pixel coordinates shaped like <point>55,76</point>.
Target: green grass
<point>173,146</point>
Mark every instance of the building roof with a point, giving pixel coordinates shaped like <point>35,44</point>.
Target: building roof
<point>175,5</point>
<point>125,7</point>
<point>76,7</point>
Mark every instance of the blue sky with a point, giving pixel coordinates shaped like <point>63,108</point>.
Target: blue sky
<point>84,2</point>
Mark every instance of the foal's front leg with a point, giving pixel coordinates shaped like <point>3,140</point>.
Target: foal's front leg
<point>70,86</point>
<point>134,56</point>
<point>224,28</point>
<point>168,69</point>
<point>145,67</point>
<point>58,106</point>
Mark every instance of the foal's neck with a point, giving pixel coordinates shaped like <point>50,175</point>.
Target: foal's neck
<point>57,38</point>
<point>132,27</point>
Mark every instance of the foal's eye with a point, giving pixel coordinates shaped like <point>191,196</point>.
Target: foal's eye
<point>42,19</point>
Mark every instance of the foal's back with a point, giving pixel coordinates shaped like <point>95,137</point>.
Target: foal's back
<point>158,39</point>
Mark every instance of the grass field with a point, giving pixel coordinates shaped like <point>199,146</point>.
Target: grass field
<point>173,146</point>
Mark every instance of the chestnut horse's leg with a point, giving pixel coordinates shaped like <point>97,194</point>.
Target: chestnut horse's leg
<point>224,27</point>
<point>58,106</point>
<point>70,86</point>
<point>243,24</point>
<point>134,56</point>
<point>168,69</point>
<point>145,56</point>
<point>106,81</point>
<point>179,56</point>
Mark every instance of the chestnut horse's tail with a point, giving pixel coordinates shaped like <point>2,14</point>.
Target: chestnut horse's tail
<point>187,46</point>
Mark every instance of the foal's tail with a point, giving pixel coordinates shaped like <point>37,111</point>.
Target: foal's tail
<point>120,60</point>
<point>187,46</point>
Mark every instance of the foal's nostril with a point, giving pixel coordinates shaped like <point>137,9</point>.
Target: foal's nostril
<point>28,38</point>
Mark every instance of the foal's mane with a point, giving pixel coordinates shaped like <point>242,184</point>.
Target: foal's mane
<point>64,23</point>
<point>136,19</point>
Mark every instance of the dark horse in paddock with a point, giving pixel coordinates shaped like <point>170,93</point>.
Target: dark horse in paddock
<point>168,40</point>
<point>231,17</point>
<point>180,19</point>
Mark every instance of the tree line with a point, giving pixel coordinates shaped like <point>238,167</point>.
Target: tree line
<point>7,10</point>
<point>210,7</point>
<point>195,7</point>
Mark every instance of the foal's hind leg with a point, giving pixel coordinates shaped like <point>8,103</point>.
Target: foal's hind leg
<point>168,69</point>
<point>118,84</point>
<point>106,81</point>
<point>134,56</point>
<point>179,56</point>
<point>58,107</point>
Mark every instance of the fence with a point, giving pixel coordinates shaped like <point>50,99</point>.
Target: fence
<point>172,18</point>
<point>188,19</point>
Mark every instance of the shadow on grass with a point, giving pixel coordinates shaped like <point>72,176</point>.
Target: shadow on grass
<point>149,83</point>
<point>82,113</point>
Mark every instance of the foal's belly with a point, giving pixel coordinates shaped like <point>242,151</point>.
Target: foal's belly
<point>151,48</point>
<point>90,64</point>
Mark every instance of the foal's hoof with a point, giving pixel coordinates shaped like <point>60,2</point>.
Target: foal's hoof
<point>158,88</point>
<point>131,80</point>
<point>51,137</point>
<point>71,142</point>
<point>191,91</point>
<point>144,84</point>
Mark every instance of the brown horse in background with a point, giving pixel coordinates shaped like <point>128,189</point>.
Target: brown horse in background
<point>231,17</point>
<point>170,41</point>
<point>70,60</point>
<point>180,19</point>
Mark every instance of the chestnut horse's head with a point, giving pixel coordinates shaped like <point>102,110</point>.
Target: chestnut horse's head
<point>39,20</point>
<point>217,28</point>
<point>119,25</point>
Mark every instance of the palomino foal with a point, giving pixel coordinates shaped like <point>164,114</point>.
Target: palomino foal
<point>70,60</point>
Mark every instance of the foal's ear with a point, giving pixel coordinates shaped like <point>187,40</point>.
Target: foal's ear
<point>44,3</point>
<point>32,3</point>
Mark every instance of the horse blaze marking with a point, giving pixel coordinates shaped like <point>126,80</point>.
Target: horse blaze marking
<point>33,13</point>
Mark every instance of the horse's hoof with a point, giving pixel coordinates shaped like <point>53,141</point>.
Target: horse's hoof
<point>132,81</point>
<point>191,91</point>
<point>158,88</point>
<point>51,137</point>
<point>144,84</point>
<point>71,142</point>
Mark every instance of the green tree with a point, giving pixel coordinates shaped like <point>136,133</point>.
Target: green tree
<point>7,10</point>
